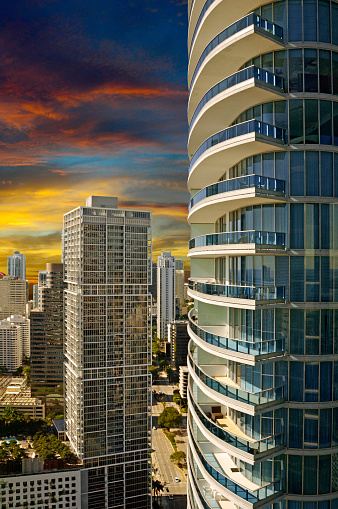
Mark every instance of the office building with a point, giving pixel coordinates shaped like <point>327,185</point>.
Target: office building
<point>178,338</point>
<point>180,278</point>
<point>35,296</point>
<point>263,148</point>
<point>106,256</point>
<point>15,392</point>
<point>13,296</point>
<point>166,303</point>
<point>16,265</point>
<point>47,357</point>
<point>14,341</point>
<point>183,381</point>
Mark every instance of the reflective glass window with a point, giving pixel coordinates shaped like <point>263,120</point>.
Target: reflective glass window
<point>325,71</point>
<point>310,70</point>
<point>297,331</point>
<point>325,424</point>
<point>294,15</point>
<point>335,123</point>
<point>310,429</point>
<point>295,474</point>
<point>335,61</point>
<point>326,332</point>
<point>311,381</point>
<point>326,174</point>
<point>297,278</point>
<point>334,7</point>
<point>310,20</point>
<point>324,468</point>
<point>310,474</point>
<point>324,25</point>
<point>295,428</point>
<point>296,70</point>
<point>297,226</point>
<point>296,121</point>
<point>311,121</point>
<point>326,224</point>
<point>279,14</point>
<point>325,381</point>
<point>326,278</point>
<point>297,173</point>
<point>312,226</point>
<point>326,122</point>
<point>296,381</point>
<point>312,173</point>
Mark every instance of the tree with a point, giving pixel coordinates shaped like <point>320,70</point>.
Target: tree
<point>3,454</point>
<point>27,373</point>
<point>154,371</point>
<point>169,418</point>
<point>3,369</point>
<point>157,487</point>
<point>179,458</point>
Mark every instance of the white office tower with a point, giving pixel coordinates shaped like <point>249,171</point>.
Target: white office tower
<point>14,341</point>
<point>16,265</point>
<point>179,276</point>
<point>13,296</point>
<point>166,285</point>
<point>107,267</point>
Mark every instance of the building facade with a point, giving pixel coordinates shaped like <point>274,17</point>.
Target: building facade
<point>263,177</point>
<point>16,265</point>
<point>47,357</point>
<point>166,291</point>
<point>13,296</point>
<point>179,283</point>
<point>178,338</point>
<point>107,267</point>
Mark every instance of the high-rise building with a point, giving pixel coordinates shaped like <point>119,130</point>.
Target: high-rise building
<point>16,265</point>
<point>178,338</point>
<point>180,278</point>
<point>107,267</point>
<point>47,357</point>
<point>166,303</point>
<point>263,359</point>
<point>153,286</point>
<point>13,296</point>
<point>14,341</point>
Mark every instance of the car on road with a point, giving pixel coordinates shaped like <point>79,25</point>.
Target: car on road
<point>177,479</point>
<point>154,427</point>
<point>170,497</point>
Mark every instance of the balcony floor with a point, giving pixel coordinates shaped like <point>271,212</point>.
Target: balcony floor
<point>229,425</point>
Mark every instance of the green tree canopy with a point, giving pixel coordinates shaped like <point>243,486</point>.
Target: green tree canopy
<point>169,418</point>
<point>179,458</point>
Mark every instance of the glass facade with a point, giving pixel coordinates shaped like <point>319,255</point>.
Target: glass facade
<point>106,254</point>
<point>263,356</point>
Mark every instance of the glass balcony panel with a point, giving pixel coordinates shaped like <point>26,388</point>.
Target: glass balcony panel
<point>236,184</point>
<point>241,292</point>
<point>238,26</point>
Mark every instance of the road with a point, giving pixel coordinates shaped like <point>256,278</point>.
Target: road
<point>166,470</point>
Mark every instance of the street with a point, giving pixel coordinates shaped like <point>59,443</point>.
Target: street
<point>165,470</point>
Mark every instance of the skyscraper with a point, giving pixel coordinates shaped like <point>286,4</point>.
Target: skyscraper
<point>180,278</point>
<point>16,265</point>
<point>263,213</point>
<point>47,356</point>
<point>14,341</point>
<point>107,267</point>
<point>166,305</point>
<point>13,296</point>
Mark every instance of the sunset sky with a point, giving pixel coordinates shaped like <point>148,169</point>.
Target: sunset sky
<point>93,100</point>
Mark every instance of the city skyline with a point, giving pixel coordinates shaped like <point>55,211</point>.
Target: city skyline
<point>90,100</point>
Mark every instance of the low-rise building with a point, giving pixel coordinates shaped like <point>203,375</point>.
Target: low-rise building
<point>16,393</point>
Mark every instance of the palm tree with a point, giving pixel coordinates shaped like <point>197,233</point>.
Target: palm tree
<point>158,487</point>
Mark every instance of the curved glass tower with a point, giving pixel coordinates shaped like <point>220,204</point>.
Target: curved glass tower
<point>263,178</point>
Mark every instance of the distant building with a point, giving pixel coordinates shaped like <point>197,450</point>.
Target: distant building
<point>35,296</point>
<point>13,296</point>
<point>16,265</point>
<point>166,304</point>
<point>16,393</point>
<point>180,278</point>
<point>14,341</point>
<point>178,338</point>
<point>47,356</point>
<point>183,381</point>
<point>153,286</point>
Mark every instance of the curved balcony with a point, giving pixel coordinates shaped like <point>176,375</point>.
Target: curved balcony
<point>221,104</point>
<point>208,16</point>
<point>256,399</point>
<point>252,72</point>
<point>272,346</point>
<point>225,148</point>
<point>271,490</point>
<point>202,502</point>
<point>215,200</point>
<point>254,447</point>
<point>231,48</point>
<point>217,244</point>
<point>233,295</point>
